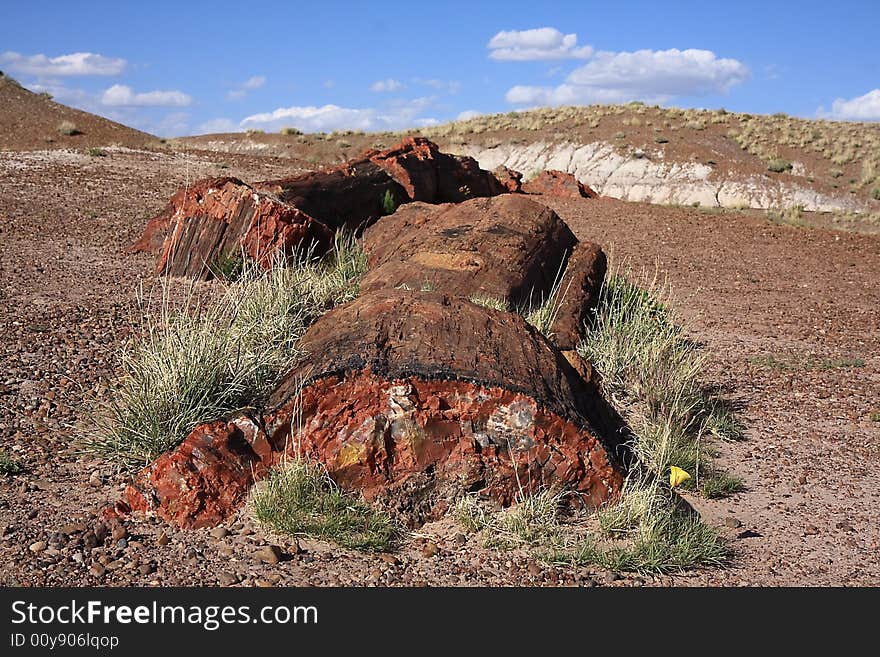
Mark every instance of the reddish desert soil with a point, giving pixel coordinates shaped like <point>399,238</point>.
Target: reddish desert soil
<point>749,289</point>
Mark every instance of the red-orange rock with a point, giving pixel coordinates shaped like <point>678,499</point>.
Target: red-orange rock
<point>507,246</point>
<point>511,180</point>
<point>558,183</point>
<point>427,174</point>
<point>207,477</point>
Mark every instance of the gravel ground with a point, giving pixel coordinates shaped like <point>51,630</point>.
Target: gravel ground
<point>750,290</point>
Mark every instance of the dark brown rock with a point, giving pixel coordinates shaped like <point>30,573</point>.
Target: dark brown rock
<point>223,217</point>
<point>508,246</point>
<point>558,183</point>
<point>578,294</point>
<point>414,398</point>
<point>348,196</point>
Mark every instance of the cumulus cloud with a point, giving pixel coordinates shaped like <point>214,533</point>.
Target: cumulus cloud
<point>254,82</point>
<point>653,76</point>
<point>217,125</point>
<point>78,63</point>
<point>539,44</point>
<point>389,84</point>
<point>333,117</point>
<point>861,108</point>
<point>120,95</point>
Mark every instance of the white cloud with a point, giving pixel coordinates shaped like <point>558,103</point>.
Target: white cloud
<point>333,117</point>
<point>467,114</point>
<point>653,76</point>
<point>78,63</point>
<point>217,125</point>
<point>539,44</point>
<point>447,86</point>
<point>389,84</point>
<point>861,108</point>
<point>254,82</point>
<point>329,84</point>
<point>120,95</point>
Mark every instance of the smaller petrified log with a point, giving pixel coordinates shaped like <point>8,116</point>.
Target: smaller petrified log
<point>207,477</point>
<point>558,183</point>
<point>578,292</point>
<point>222,217</point>
<point>505,246</point>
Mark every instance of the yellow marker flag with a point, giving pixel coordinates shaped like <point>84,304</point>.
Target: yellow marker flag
<point>677,476</point>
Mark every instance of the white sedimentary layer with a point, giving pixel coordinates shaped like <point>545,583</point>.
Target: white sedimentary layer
<point>649,178</point>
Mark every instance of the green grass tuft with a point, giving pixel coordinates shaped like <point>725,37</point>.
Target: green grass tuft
<point>721,485</point>
<point>493,303</point>
<point>299,498</point>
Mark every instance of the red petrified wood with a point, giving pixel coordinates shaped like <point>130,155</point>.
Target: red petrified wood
<point>558,183</point>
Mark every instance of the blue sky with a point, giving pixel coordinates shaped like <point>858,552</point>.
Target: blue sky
<point>175,68</point>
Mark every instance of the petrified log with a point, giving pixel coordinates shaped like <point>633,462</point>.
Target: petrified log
<point>558,183</point>
<point>508,247</point>
<point>221,217</point>
<point>412,399</point>
<point>578,294</point>
<point>415,397</point>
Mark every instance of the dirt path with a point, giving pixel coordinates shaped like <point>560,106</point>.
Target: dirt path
<point>790,316</point>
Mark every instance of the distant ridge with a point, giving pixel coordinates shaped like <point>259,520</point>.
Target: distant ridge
<point>30,121</point>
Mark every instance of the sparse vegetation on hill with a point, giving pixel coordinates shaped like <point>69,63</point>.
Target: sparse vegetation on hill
<point>67,129</point>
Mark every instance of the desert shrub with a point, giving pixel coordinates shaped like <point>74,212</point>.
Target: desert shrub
<point>67,128</point>
<point>286,130</point>
<point>97,152</point>
<point>875,193</point>
<point>198,361</point>
<point>254,131</point>
<point>46,95</point>
<point>779,165</point>
<point>300,498</point>
<point>8,465</point>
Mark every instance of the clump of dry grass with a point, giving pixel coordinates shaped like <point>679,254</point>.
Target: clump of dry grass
<point>200,360</point>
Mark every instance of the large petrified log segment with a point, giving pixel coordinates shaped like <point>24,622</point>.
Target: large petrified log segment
<point>506,246</point>
<point>413,398</point>
<point>220,217</point>
<point>429,175</point>
<point>207,477</point>
<point>348,196</point>
<point>558,183</point>
<point>578,293</point>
